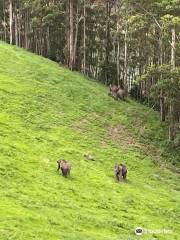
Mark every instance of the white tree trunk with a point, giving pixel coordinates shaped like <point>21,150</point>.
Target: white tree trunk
<point>171,107</point>
<point>84,40</point>
<point>16,26</point>
<point>173,47</point>
<point>76,36</point>
<point>71,35</point>
<point>11,21</point>
<point>125,59</point>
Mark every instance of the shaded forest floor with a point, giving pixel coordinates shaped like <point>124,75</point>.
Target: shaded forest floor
<point>49,113</point>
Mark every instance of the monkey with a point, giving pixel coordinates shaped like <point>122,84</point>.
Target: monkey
<point>118,92</point>
<point>114,88</point>
<point>121,94</point>
<point>117,172</point>
<point>89,157</point>
<point>124,171</point>
<point>120,172</point>
<point>113,95</point>
<point>65,167</point>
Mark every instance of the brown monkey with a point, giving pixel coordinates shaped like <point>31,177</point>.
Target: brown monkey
<point>121,94</point>
<point>117,172</point>
<point>113,88</point>
<point>124,171</point>
<point>113,95</point>
<point>120,172</point>
<point>64,166</point>
<point>117,92</point>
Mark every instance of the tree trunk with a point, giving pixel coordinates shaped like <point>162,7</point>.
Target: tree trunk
<point>162,107</point>
<point>172,107</point>
<point>48,42</point>
<point>27,29</point>
<point>16,25</point>
<point>76,37</point>
<point>118,47</point>
<point>4,13</point>
<point>84,40</point>
<point>171,122</point>
<point>71,35</point>
<point>162,102</point>
<point>108,10</point>
<point>11,21</point>
<point>173,47</point>
<point>67,30</point>
<point>125,58</point>
<point>118,62</point>
<point>19,18</point>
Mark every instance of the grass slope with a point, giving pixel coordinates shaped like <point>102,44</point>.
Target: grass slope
<point>48,113</point>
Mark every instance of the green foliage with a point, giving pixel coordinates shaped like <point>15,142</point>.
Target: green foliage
<point>137,22</point>
<point>48,112</point>
<point>169,21</point>
<point>167,80</point>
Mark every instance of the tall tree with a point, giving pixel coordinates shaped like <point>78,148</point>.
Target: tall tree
<point>11,21</point>
<point>71,34</point>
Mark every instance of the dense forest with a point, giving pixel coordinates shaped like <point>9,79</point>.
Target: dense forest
<point>134,44</point>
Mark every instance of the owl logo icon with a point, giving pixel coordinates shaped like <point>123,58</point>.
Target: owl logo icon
<point>139,231</point>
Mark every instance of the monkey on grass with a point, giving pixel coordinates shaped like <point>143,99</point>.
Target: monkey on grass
<point>65,167</point>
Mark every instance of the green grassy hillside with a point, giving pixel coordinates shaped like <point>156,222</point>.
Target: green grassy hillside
<point>47,113</point>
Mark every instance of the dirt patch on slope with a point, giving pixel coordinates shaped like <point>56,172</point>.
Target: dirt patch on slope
<point>81,125</point>
<point>118,134</point>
